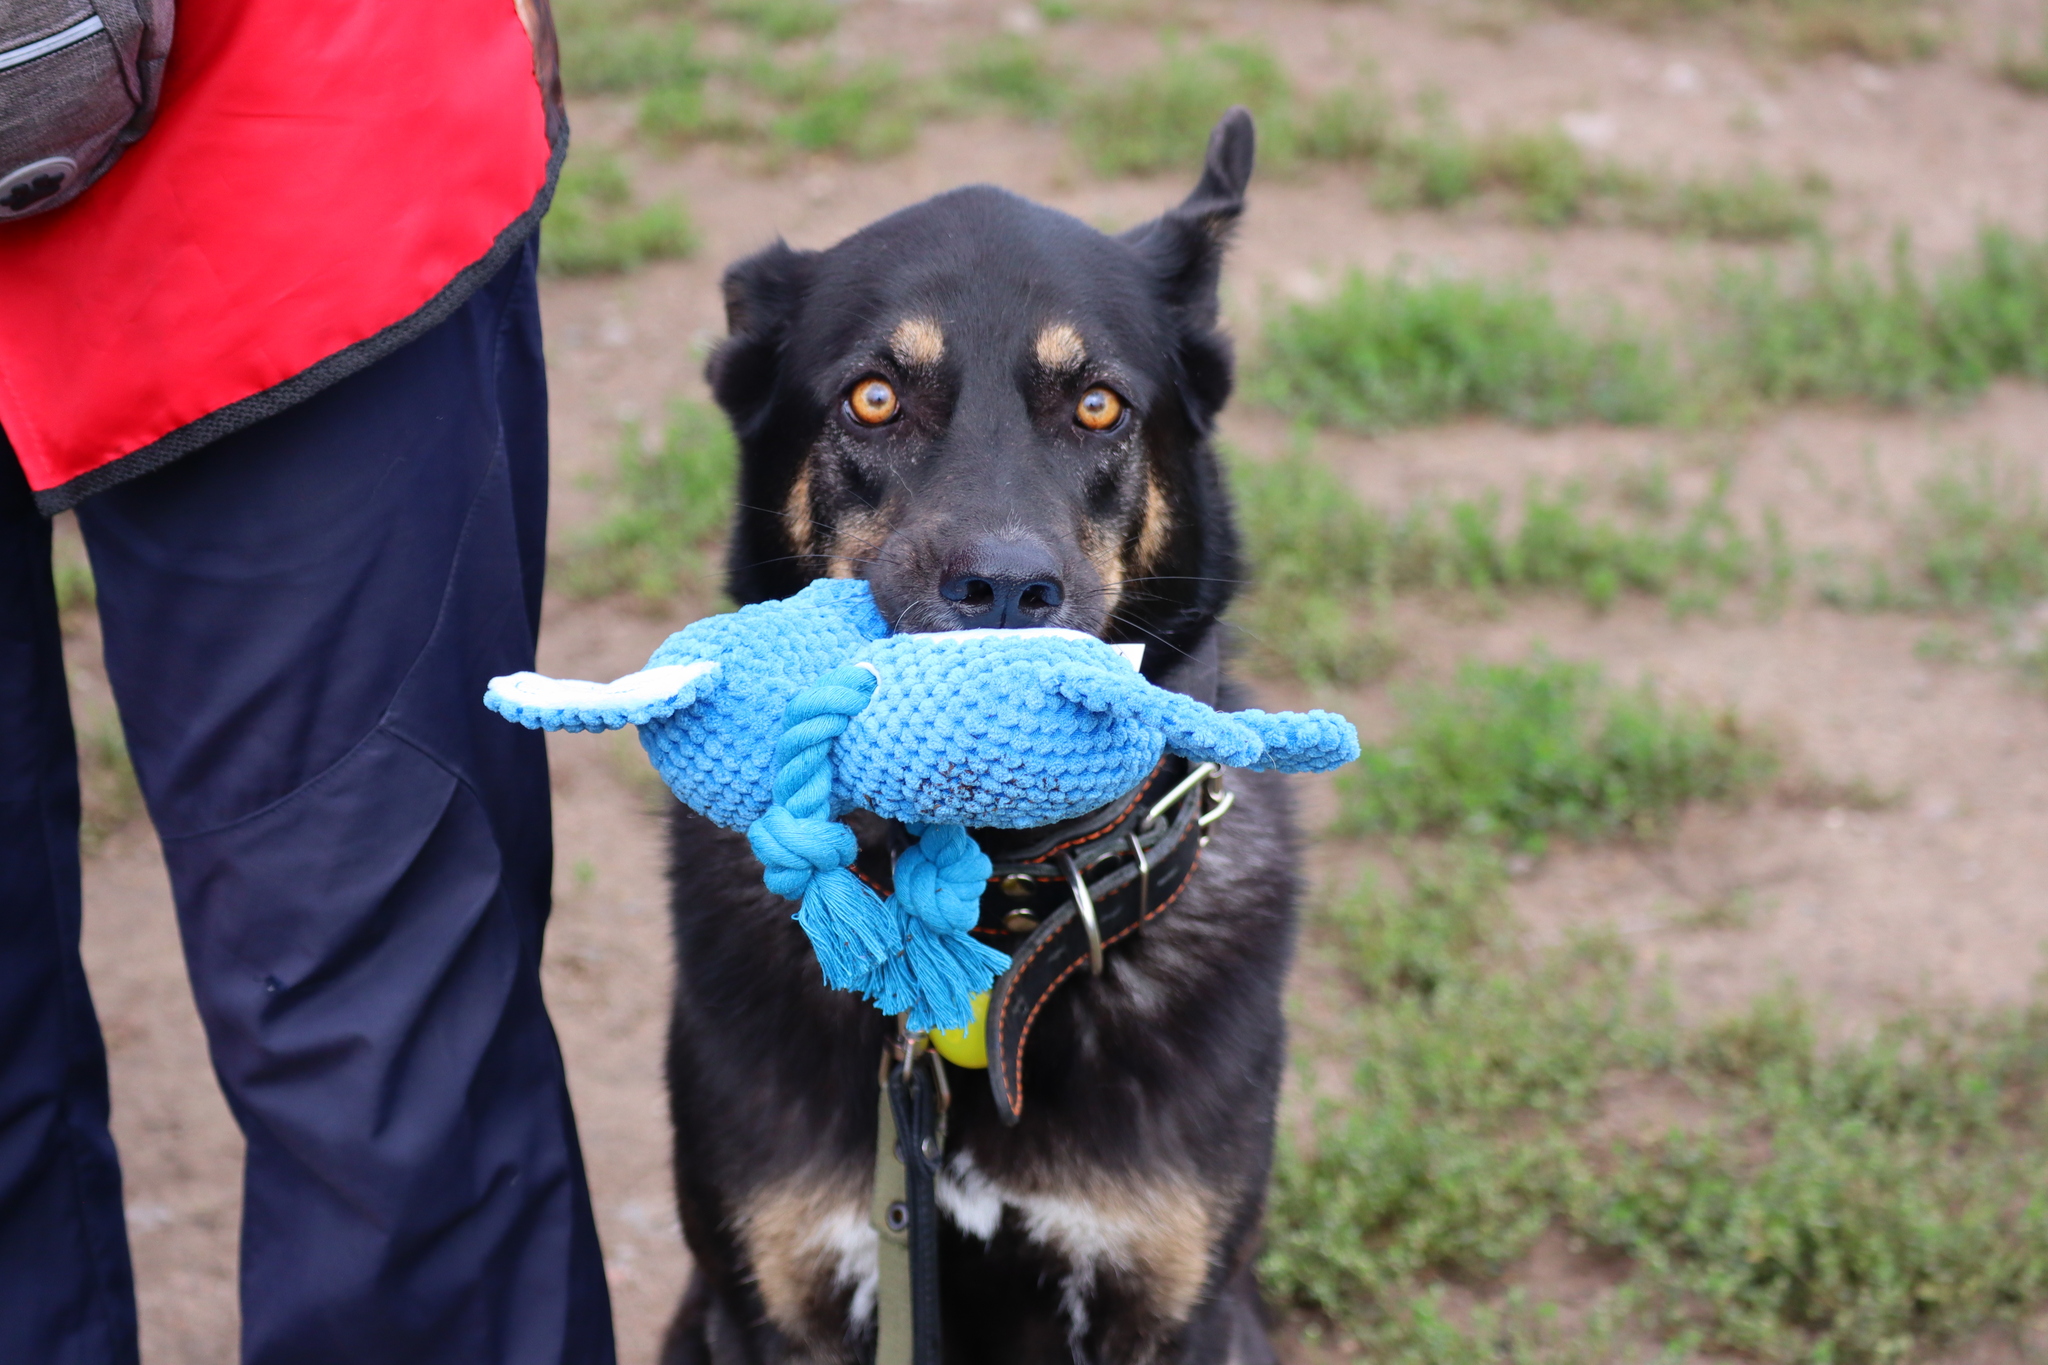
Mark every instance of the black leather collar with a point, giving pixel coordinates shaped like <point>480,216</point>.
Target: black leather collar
<point>1105,885</point>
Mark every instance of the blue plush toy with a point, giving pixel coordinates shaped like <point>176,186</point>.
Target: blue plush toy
<point>781,716</point>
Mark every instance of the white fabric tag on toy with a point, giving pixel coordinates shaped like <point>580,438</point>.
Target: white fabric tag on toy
<point>646,688</point>
<point>1134,655</point>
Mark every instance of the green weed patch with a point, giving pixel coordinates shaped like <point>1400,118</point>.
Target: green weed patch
<point>1886,31</point>
<point>780,21</point>
<point>1522,752</point>
<point>1976,538</point>
<point>109,796</point>
<point>1752,206</point>
<point>594,228</point>
<point>1980,536</point>
<point>1010,74</point>
<point>1844,331</point>
<point>1853,1204</point>
<point>1320,557</point>
<point>761,96</point>
<point>610,46</point>
<point>674,503</point>
<point>1389,351</point>
<point>2026,72</point>
<point>1551,182</point>
<point>1158,118</point>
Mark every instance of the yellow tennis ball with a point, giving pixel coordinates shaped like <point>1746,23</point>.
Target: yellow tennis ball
<point>968,1046</point>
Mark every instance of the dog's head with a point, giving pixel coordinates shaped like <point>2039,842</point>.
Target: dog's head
<point>994,413</point>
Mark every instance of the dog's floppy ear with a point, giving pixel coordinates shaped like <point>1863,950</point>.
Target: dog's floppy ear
<point>761,296</point>
<point>1185,245</point>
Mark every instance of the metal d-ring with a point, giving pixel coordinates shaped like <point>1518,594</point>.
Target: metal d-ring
<point>1196,776</point>
<point>1144,875</point>
<point>1084,906</point>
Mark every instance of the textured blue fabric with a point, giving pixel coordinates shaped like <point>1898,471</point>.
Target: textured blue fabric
<point>803,709</point>
<point>997,729</point>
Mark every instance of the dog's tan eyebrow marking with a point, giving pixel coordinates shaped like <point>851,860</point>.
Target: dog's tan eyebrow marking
<point>918,342</point>
<point>1060,348</point>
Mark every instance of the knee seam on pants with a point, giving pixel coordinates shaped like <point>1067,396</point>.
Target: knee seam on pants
<point>492,468</point>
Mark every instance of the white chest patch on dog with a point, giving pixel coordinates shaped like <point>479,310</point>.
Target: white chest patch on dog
<point>1152,1231</point>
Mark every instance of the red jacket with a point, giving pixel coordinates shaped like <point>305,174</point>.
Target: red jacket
<point>323,183</point>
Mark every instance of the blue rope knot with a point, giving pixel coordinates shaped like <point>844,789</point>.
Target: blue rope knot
<point>942,967</point>
<point>914,955</point>
<point>806,853</point>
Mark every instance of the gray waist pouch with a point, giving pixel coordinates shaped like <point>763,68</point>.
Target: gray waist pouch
<point>78,84</point>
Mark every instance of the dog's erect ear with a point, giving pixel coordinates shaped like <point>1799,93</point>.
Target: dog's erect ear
<point>1219,197</point>
<point>1186,244</point>
<point>1184,249</point>
<point>761,296</point>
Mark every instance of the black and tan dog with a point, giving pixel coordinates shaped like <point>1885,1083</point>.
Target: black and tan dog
<point>998,416</point>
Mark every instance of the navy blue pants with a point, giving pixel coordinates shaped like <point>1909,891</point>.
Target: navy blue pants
<point>299,621</point>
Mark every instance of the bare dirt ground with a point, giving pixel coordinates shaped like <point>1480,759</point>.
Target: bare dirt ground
<point>1936,897</point>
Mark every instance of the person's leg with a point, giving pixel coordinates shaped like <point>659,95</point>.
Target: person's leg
<point>300,620</point>
<point>66,1296</point>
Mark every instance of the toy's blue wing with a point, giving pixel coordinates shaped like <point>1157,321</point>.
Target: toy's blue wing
<point>1300,741</point>
<point>1287,741</point>
<point>542,703</point>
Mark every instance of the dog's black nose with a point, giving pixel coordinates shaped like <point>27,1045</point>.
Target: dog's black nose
<point>1006,586</point>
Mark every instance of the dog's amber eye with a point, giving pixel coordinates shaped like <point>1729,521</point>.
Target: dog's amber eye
<point>872,401</point>
<point>1098,409</point>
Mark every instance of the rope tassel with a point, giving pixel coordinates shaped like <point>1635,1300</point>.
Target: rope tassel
<point>939,881</point>
<point>806,853</point>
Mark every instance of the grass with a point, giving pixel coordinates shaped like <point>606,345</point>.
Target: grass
<point>1853,1204</point>
<point>1975,539</point>
<point>780,21</point>
<point>1844,331</point>
<point>108,795</point>
<point>1885,31</point>
<point>1156,120</point>
<point>1389,351</point>
<point>71,572</point>
<point>1010,74</point>
<point>1524,752</point>
<point>1980,536</point>
<point>1551,182</point>
<point>2026,72</point>
<point>1152,119</point>
<point>673,503</point>
<point>762,95</point>
<point>1320,556</point>
<point>594,228</point>
<point>1752,206</point>
<point>788,106</point>
<point>865,111</point>
<point>614,46</point>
